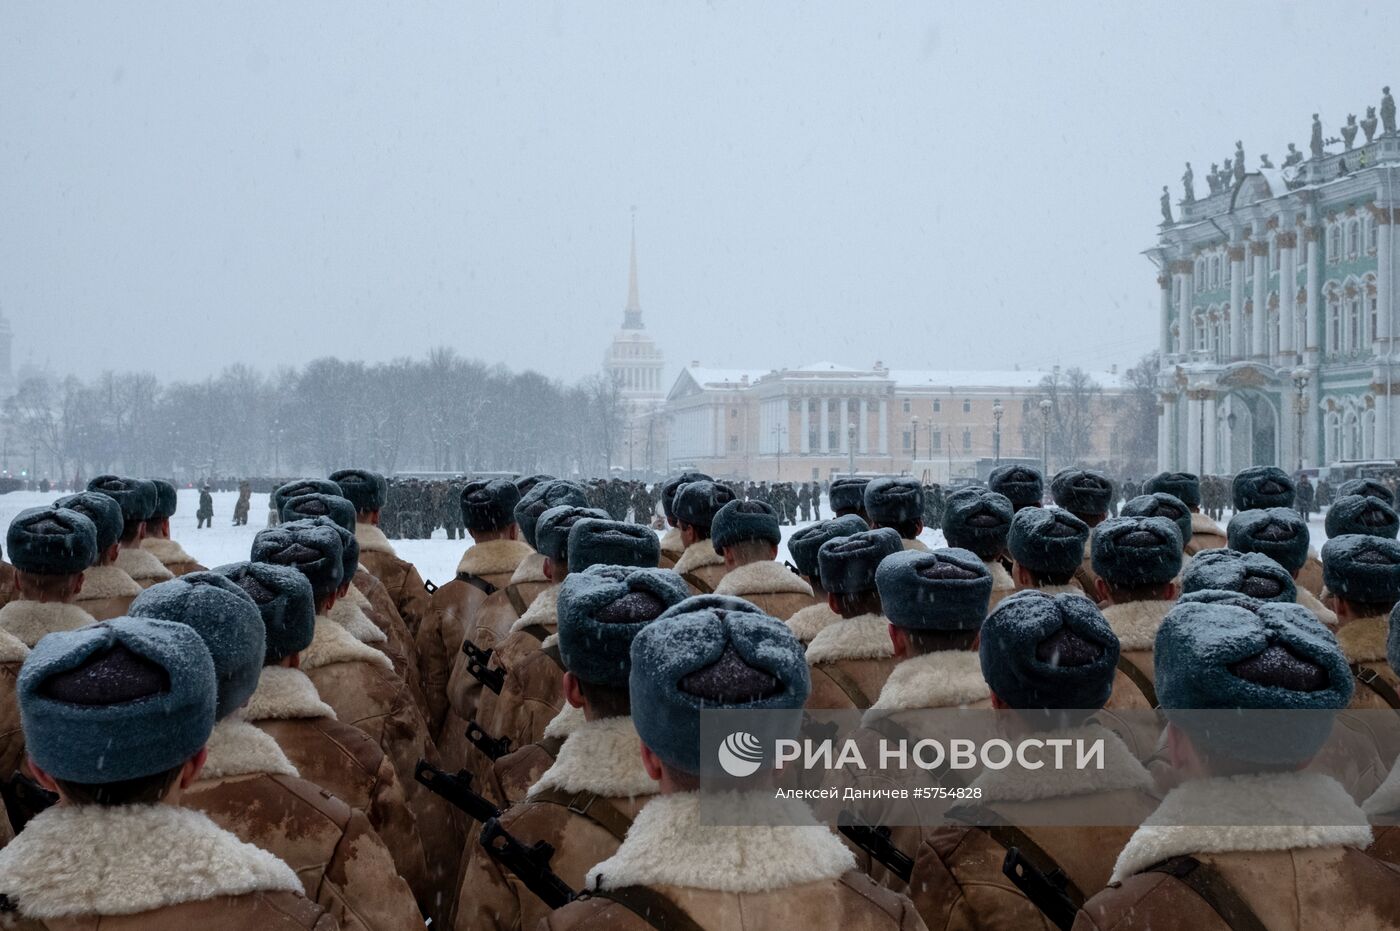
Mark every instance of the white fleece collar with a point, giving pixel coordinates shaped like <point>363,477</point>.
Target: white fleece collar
<point>603,757</point>
<point>348,615</point>
<point>494,557</point>
<point>807,622</point>
<point>1323,613</point>
<point>107,582</point>
<point>944,679</point>
<point>237,748</point>
<point>544,610</point>
<point>916,544</point>
<point>1200,523</point>
<point>671,543</point>
<point>141,564</point>
<point>90,860</point>
<point>166,550</point>
<point>1070,589</point>
<point>1363,640</point>
<point>762,578</point>
<point>29,621</point>
<point>285,694</point>
<point>698,555</point>
<point>531,569</point>
<point>1257,812</point>
<point>372,539</point>
<point>332,644</point>
<point>1136,622</point>
<point>670,844</point>
<point>1121,771</point>
<point>12,649</point>
<point>1001,579</point>
<point>1386,799</point>
<point>568,720</point>
<point>864,637</point>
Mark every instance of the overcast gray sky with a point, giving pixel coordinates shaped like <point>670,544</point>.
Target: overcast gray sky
<point>188,185</point>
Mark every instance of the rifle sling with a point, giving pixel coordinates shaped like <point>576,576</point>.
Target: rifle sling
<point>477,582</point>
<point>845,683</point>
<point>697,583</point>
<point>652,907</point>
<point>1214,889</point>
<point>1376,683</point>
<point>517,601</point>
<point>1128,668</point>
<point>591,806</point>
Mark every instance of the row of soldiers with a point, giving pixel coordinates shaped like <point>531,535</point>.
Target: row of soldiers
<point>552,693</point>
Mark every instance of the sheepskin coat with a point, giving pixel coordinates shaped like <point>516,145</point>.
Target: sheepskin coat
<point>171,555</point>
<point>107,592</point>
<point>399,576</point>
<point>771,586</point>
<point>849,662</point>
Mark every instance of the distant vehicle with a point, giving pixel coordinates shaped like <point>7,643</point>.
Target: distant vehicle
<point>1362,468</point>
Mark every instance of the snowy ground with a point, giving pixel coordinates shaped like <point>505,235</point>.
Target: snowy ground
<point>436,559</point>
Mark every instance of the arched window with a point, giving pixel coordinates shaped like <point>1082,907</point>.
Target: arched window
<point>1332,439</point>
<point>1353,238</point>
<point>1215,272</point>
<point>1198,332</point>
<point>1371,236</point>
<point>1334,244</point>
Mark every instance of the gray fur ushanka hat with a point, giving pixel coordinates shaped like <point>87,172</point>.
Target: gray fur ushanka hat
<point>1048,651</point>
<point>743,521</point>
<point>1161,504</point>
<point>1361,514</point>
<point>102,510</point>
<point>595,541</point>
<point>977,519</point>
<point>365,490</point>
<point>1047,541</point>
<point>894,499</point>
<point>806,541</point>
<point>285,601</point>
<point>943,589</point>
<point>848,564</point>
<point>1279,533</point>
<point>1251,574</point>
<point>1136,551</point>
<point>1023,486</point>
<point>601,611</point>
<point>1260,487</point>
<point>51,541</point>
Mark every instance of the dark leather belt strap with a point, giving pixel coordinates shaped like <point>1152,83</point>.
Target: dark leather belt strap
<point>517,601</point>
<point>1214,889</point>
<point>591,806</point>
<point>1376,683</point>
<point>538,631</point>
<point>1140,679</point>
<point>699,584</point>
<point>477,582</point>
<point>848,685</point>
<point>652,907</point>
<point>552,651</point>
<point>1009,835</point>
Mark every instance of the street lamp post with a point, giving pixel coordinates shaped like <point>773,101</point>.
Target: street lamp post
<point>997,411</point>
<point>1045,407</point>
<point>779,432</point>
<point>1300,407</point>
<point>851,446</point>
<point>914,462</point>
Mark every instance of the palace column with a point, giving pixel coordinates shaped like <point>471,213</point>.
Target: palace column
<point>1210,464</point>
<point>1193,433</point>
<point>884,427</point>
<point>1181,270</point>
<point>1385,328</point>
<point>805,440</point>
<point>824,441</point>
<point>1164,315</point>
<point>842,440</point>
<point>1259,252</point>
<point>1166,426</point>
<point>863,445</point>
<point>1287,294</point>
<point>1236,255</point>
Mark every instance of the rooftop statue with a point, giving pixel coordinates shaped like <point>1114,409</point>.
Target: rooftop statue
<point>1349,132</point>
<point>1166,207</point>
<point>1213,179</point>
<point>1188,181</point>
<point>1293,157</point>
<point>1239,161</point>
<point>1316,142</point>
<point>1387,111</point>
<point>1368,125</point>
<point>1264,161</point>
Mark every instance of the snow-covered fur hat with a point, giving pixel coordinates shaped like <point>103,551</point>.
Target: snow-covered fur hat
<point>313,549</point>
<point>115,701</point>
<point>137,497</point>
<point>552,529</point>
<point>1227,657</point>
<point>711,652</point>
<point>523,483</point>
<point>285,602</point>
<point>1048,651</point>
<point>302,486</point>
<point>977,519</point>
<point>1184,486</point>
<point>596,541</point>
<point>364,489</point>
<point>340,510</point>
<point>1361,514</point>
<point>943,589</point>
<point>102,510</point>
<point>673,485</point>
<point>1368,487</point>
<point>1279,533</point>
<point>167,501</point>
<point>550,494</point>
<point>806,541</point>
<point>742,521</point>
<point>894,499</point>
<point>1392,642</point>
<point>602,609</point>
<point>847,495</point>
<point>1022,485</point>
<point>1083,492</point>
<point>1161,504</point>
<point>1136,551</point>
<point>488,505</point>
<point>51,541</point>
<point>1362,568</point>
<point>847,564</point>
<point>1046,541</point>
<point>226,619</point>
<point>1252,574</point>
<point>1261,487</point>
<point>697,503</point>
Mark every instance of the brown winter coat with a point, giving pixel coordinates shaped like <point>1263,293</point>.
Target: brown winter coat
<point>771,586</point>
<point>341,759</point>
<point>147,868</point>
<point>171,555</point>
<point>1310,576</point>
<point>1363,642</point>
<point>399,576</point>
<point>1383,808</point>
<point>7,583</point>
<point>671,548</point>
<point>1085,574</point>
<point>12,655</point>
<point>452,615</point>
<point>850,661</point>
<point>1002,583</point>
<point>250,788</point>
<point>1205,535</point>
<point>1136,624</point>
<point>599,765</point>
<point>701,567</point>
<point>957,880</point>
<point>492,624</point>
<point>511,777</point>
<point>358,681</point>
<point>1292,878</point>
<point>142,565</point>
<point>107,592</point>
<point>810,621</point>
<point>385,633</point>
<point>808,878</point>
